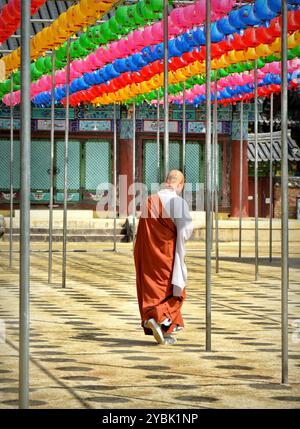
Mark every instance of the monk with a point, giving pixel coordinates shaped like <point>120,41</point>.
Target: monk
<point>161,273</point>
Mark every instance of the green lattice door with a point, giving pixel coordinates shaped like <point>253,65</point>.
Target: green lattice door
<point>194,161</point>
<point>5,166</point>
<point>97,170</point>
<point>219,166</point>
<point>40,168</point>
<point>73,170</point>
<point>150,163</point>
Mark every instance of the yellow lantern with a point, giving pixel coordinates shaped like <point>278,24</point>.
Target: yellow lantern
<point>250,54</point>
<point>263,50</point>
<point>292,41</point>
<point>276,45</point>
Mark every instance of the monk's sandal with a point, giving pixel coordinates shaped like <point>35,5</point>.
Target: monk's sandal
<point>156,330</point>
<point>170,340</point>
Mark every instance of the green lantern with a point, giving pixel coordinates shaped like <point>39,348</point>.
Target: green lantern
<point>98,35</point>
<point>86,43</point>
<point>221,73</point>
<point>155,5</point>
<point>17,77</point>
<point>260,63</point>
<point>48,64</point>
<point>296,51</point>
<point>81,50</point>
<point>106,32</point>
<point>147,13</point>
<point>130,16</point>
<point>61,53</point>
<point>39,64</point>
<point>58,64</point>
<point>35,74</point>
<point>6,86</point>
<point>138,15</point>
<point>115,26</point>
<point>121,15</point>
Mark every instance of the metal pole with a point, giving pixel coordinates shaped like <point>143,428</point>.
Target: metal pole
<point>284,197</point>
<point>24,278</point>
<point>51,169</point>
<point>158,138</point>
<point>11,178</point>
<point>208,239</point>
<point>183,128</point>
<point>241,175</point>
<point>166,92</point>
<point>216,170</point>
<point>115,178</point>
<point>133,172</point>
<point>256,169</point>
<point>66,155</point>
<point>271,180</point>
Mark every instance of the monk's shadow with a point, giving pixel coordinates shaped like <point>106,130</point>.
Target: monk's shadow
<point>123,342</point>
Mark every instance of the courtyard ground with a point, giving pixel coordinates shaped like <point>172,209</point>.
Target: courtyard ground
<point>88,350</point>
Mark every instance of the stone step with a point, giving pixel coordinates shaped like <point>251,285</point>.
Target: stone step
<point>71,231</point>
<point>72,224</point>
<point>71,238</point>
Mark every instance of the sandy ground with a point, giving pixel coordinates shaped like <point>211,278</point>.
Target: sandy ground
<point>88,350</point>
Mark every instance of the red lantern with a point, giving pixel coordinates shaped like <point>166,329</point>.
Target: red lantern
<point>275,27</point>
<point>250,38</point>
<point>238,43</point>
<point>293,24</point>
<point>264,36</point>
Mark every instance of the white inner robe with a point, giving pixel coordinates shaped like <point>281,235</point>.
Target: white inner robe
<point>177,209</point>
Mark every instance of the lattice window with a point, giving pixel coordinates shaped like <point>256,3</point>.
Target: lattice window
<point>174,156</point>
<point>150,163</point>
<point>73,165</point>
<point>5,165</point>
<point>219,167</point>
<point>40,164</point>
<point>97,166</point>
<point>194,163</point>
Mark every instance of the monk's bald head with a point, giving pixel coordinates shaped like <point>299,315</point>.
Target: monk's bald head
<point>175,179</point>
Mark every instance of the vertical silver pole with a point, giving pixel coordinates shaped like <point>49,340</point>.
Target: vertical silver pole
<point>241,175</point>
<point>284,196</point>
<point>256,170</point>
<point>66,156</point>
<point>11,177</point>
<point>183,128</point>
<point>133,171</point>
<point>25,207</point>
<point>158,138</point>
<point>208,198</point>
<point>271,180</point>
<point>166,90</point>
<point>51,169</point>
<point>216,170</point>
<point>115,178</point>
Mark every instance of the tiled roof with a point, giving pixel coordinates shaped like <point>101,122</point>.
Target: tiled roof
<point>264,145</point>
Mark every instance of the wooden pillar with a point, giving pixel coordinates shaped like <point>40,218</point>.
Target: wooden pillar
<point>235,168</point>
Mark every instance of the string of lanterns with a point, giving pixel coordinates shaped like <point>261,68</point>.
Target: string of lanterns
<point>179,46</point>
<point>10,17</point>
<point>117,77</point>
<point>67,24</point>
<point>127,18</point>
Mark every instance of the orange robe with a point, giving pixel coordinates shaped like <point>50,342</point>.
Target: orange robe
<point>154,258</point>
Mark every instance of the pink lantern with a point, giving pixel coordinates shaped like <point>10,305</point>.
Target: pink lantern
<point>157,33</point>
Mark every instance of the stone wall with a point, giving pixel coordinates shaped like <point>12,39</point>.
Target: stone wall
<point>294,192</point>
